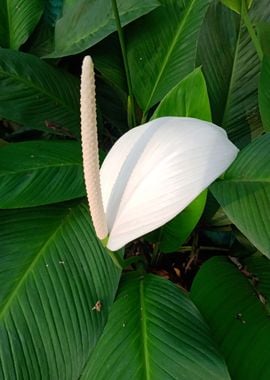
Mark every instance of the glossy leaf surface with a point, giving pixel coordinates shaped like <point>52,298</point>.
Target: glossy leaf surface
<point>237,315</point>
<point>244,193</point>
<point>154,332</point>
<point>53,271</point>
<point>18,18</point>
<point>40,172</point>
<point>96,22</point>
<point>162,48</point>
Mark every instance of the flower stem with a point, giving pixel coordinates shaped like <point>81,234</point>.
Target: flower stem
<point>117,258</point>
<point>251,31</point>
<point>131,103</point>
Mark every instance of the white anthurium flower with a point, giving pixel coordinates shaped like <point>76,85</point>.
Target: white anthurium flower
<point>155,170</point>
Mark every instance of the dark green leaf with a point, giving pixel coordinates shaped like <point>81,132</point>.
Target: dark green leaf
<point>237,315</point>
<point>37,95</point>
<point>53,272</point>
<point>244,193</point>
<point>84,23</point>
<point>40,172</point>
<point>17,21</point>
<point>264,93</point>
<point>231,68</point>
<point>154,332</point>
<point>162,48</point>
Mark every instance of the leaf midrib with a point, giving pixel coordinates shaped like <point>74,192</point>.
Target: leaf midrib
<point>37,169</point>
<point>33,86</point>
<point>30,268</point>
<point>170,50</point>
<point>144,331</point>
<point>230,87</point>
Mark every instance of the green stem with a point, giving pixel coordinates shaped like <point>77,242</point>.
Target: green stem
<point>131,104</point>
<point>251,31</point>
<point>118,260</point>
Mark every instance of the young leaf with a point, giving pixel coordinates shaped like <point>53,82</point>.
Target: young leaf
<point>40,172</point>
<point>235,5</point>
<point>237,314</point>
<point>244,193</point>
<point>96,21</point>
<point>38,95</point>
<point>162,48</point>
<point>17,21</point>
<point>154,332</point>
<point>53,273</point>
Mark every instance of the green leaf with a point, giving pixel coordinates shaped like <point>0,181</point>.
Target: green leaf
<point>259,266</point>
<point>237,316</point>
<point>235,5</point>
<point>162,48</point>
<point>264,93</point>
<point>231,68</point>
<point>38,95</point>
<point>244,193</point>
<point>189,98</point>
<point>17,20</point>
<point>154,332</point>
<point>41,42</point>
<point>40,172</point>
<point>96,21</point>
<point>53,271</point>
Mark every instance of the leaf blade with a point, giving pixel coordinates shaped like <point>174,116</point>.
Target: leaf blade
<point>156,325</point>
<point>46,98</point>
<point>158,52</point>
<point>39,173</point>
<point>244,193</point>
<point>49,283</point>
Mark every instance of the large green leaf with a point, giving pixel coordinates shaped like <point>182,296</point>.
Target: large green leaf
<point>237,315</point>
<point>154,332</point>
<point>244,193</point>
<point>40,172</point>
<point>231,68</point>
<point>264,93</point>
<point>37,95</point>
<point>84,23</point>
<point>189,98</point>
<point>53,272</point>
<point>162,48</point>
<point>17,20</point>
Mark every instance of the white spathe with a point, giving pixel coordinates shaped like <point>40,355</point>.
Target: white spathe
<point>155,170</point>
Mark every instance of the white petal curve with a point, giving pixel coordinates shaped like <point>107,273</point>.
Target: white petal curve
<point>154,171</point>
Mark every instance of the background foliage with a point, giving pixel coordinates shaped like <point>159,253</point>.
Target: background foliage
<point>208,318</point>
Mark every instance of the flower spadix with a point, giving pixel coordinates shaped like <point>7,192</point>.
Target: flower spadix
<point>155,170</point>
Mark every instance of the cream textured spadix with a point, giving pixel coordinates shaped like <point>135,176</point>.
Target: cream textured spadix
<point>90,148</point>
<point>155,170</point>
